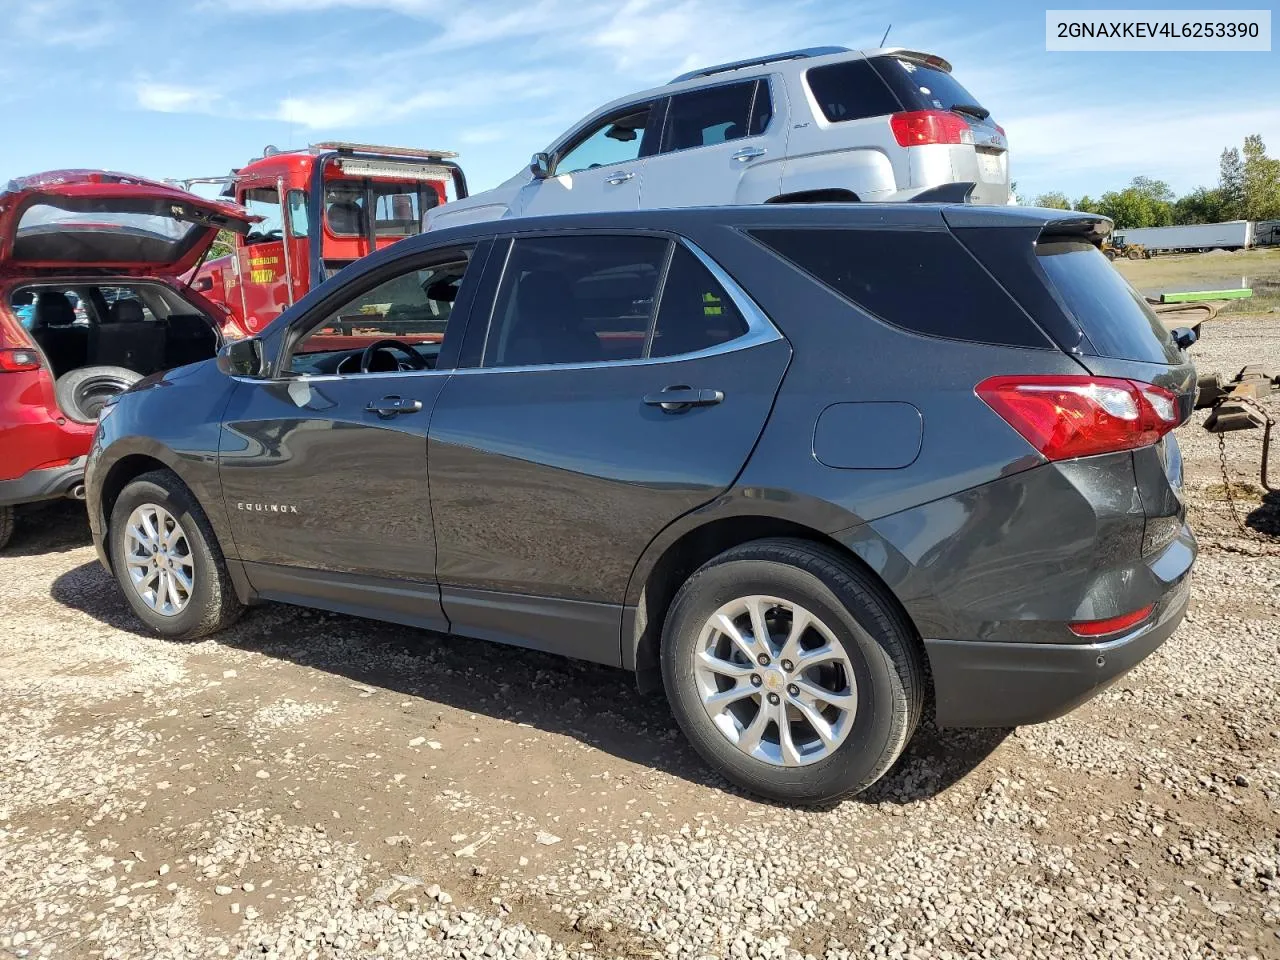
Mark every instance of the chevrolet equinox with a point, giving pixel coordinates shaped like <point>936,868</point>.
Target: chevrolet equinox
<point>807,467</point>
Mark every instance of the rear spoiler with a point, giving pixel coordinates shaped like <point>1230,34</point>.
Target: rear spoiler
<point>946,193</point>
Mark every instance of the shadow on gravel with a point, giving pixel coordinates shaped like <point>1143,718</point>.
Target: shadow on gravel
<point>1265,518</point>
<point>595,704</point>
<point>54,526</point>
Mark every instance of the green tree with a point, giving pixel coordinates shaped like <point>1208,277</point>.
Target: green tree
<point>1087,204</point>
<point>223,244</point>
<point>1231,184</point>
<point>1202,205</point>
<point>1054,200</point>
<point>1261,178</point>
<point>1144,203</point>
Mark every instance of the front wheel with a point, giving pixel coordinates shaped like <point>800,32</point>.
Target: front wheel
<point>167,560</point>
<point>791,671</point>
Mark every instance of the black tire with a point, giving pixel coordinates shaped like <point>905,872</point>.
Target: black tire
<point>82,393</point>
<point>6,526</point>
<point>213,604</point>
<point>882,647</point>
<point>1111,254</point>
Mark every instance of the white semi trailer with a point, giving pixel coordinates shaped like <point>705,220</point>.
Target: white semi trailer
<point>1232,235</point>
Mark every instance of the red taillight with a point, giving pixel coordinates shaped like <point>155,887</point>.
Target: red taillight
<point>1100,628</point>
<point>1077,416</point>
<point>16,360</point>
<point>916,128</point>
<point>1000,130</point>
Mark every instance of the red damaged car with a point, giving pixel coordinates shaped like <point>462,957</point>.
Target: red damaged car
<point>90,303</point>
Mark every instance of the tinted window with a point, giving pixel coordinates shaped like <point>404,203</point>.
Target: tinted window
<point>704,117</point>
<point>851,91</point>
<point>412,307</point>
<point>918,280</point>
<point>575,300</point>
<point>1109,311</point>
<point>695,312</point>
<point>264,203</point>
<point>922,87</point>
<point>616,141</point>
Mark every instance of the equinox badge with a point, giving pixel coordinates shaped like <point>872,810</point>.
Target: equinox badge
<point>267,507</point>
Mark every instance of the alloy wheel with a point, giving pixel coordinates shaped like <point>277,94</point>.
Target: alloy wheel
<point>775,681</point>
<point>158,559</point>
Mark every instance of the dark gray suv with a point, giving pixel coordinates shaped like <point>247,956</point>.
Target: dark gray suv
<point>809,467</point>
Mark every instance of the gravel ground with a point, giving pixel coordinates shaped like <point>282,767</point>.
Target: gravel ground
<point>313,786</point>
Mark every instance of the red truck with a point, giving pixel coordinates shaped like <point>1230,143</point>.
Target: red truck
<point>321,208</point>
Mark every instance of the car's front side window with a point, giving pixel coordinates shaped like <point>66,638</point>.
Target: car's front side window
<point>412,308</point>
<point>617,140</point>
<point>597,299</point>
<point>265,203</point>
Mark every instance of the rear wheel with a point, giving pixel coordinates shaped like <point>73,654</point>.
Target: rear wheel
<point>791,671</point>
<point>167,560</point>
<point>6,526</point>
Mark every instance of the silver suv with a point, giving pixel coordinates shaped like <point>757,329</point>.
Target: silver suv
<point>826,123</point>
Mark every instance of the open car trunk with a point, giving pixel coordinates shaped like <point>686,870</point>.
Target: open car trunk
<point>92,260</point>
<point>99,336</point>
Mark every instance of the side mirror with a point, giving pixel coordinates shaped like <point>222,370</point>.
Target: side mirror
<point>241,358</point>
<point>541,166</point>
<point>1184,337</point>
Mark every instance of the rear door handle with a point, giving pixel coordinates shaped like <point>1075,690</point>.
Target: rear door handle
<point>749,153</point>
<point>389,407</point>
<point>617,178</point>
<point>678,399</point>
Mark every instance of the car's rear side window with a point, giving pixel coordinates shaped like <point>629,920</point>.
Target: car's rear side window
<point>1111,313</point>
<point>851,90</point>
<point>920,280</point>
<point>920,86</point>
<point>701,118</point>
<point>695,313</point>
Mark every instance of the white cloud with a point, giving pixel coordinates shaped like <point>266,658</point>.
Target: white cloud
<point>62,23</point>
<point>171,98</point>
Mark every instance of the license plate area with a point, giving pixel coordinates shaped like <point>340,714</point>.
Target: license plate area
<point>990,165</point>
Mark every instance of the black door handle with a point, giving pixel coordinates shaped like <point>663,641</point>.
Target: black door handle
<point>681,398</point>
<point>389,407</point>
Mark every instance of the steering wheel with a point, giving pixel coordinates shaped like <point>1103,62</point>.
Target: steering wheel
<point>415,359</point>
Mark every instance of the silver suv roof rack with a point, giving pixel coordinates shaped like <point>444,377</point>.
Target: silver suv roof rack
<point>760,61</point>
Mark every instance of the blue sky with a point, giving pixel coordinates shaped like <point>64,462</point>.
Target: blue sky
<point>195,87</point>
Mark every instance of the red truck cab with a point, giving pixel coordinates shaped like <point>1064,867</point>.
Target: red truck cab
<point>321,208</point>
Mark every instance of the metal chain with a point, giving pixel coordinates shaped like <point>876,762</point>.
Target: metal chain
<point>1226,476</point>
<point>1226,485</point>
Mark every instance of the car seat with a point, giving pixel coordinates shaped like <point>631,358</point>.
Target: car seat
<point>548,324</point>
<point>127,339</point>
<point>64,344</point>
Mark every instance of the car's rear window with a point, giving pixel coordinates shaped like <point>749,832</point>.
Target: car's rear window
<point>920,86</point>
<point>851,90</point>
<point>920,280</point>
<point>1111,313</point>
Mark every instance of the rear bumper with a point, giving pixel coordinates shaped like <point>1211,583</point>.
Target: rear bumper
<point>1002,684</point>
<point>47,484</point>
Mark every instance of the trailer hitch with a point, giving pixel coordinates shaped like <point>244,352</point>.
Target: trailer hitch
<point>1236,404</point>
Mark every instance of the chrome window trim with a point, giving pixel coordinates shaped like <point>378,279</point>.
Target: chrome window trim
<point>760,330</point>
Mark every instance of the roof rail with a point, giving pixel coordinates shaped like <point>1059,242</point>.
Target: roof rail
<point>760,61</point>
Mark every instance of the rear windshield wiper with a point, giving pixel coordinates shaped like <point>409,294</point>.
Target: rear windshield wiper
<point>972,109</point>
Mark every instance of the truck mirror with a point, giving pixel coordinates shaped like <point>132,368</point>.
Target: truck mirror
<point>541,165</point>
<point>241,358</point>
